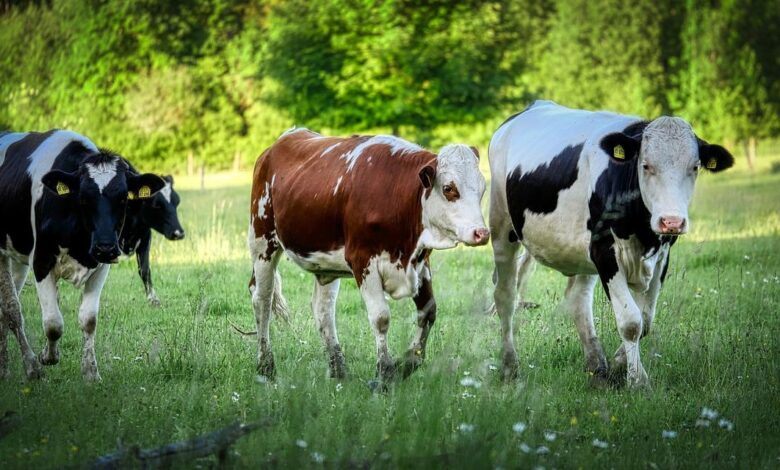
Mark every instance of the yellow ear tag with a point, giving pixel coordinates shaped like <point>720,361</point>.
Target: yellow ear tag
<point>62,188</point>
<point>130,195</point>
<point>144,192</point>
<point>619,153</point>
<point>712,163</point>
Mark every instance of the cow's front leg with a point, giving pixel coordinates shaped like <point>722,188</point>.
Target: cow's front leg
<point>19,275</point>
<point>426,316</point>
<point>579,299</point>
<point>88,313</point>
<point>53,324</point>
<point>627,313</point>
<point>646,301</point>
<point>324,308</point>
<point>12,319</point>
<point>144,271</point>
<point>379,318</point>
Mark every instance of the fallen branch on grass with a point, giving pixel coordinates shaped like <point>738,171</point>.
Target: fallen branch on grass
<point>245,333</point>
<point>216,442</point>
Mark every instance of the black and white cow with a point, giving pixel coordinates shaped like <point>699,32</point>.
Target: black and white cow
<point>157,212</point>
<point>593,193</point>
<point>62,205</point>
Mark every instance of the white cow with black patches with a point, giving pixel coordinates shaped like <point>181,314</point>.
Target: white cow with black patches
<point>62,203</point>
<point>592,194</point>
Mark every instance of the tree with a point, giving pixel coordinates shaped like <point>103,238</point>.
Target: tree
<point>345,64</point>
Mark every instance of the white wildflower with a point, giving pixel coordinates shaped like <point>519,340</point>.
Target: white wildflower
<point>702,423</point>
<point>525,448</point>
<point>541,450</point>
<point>301,443</point>
<point>746,258</point>
<point>470,382</point>
<point>317,457</point>
<point>492,367</point>
<point>726,424</point>
<point>708,413</point>
<point>261,379</point>
<point>467,395</point>
<point>600,444</point>
<point>116,358</point>
<point>669,434</point>
<point>235,397</point>
<point>339,387</point>
<point>465,428</point>
<point>549,436</point>
<point>519,427</point>
<point>531,366</point>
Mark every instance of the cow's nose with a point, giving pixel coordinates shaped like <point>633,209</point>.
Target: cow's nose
<point>672,225</point>
<point>105,252</point>
<point>177,234</point>
<point>481,236</point>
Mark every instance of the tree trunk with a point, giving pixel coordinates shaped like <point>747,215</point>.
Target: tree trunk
<point>190,164</point>
<point>394,129</point>
<point>751,153</point>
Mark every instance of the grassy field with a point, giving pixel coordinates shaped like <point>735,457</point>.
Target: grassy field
<point>174,372</point>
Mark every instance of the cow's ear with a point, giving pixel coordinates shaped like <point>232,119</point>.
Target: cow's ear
<point>476,151</point>
<point>168,178</point>
<point>427,175</point>
<point>61,183</point>
<point>143,186</point>
<point>620,147</point>
<point>713,157</point>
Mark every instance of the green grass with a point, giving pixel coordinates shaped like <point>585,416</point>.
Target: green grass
<point>181,370</point>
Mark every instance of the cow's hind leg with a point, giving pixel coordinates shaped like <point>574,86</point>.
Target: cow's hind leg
<point>525,269</point>
<point>579,300</point>
<point>324,307</point>
<point>19,273</point>
<point>505,297</point>
<point>379,318</point>
<point>426,316</point>
<point>265,253</point>
<point>13,320</point>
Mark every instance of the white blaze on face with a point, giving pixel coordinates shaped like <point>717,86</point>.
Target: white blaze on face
<point>166,192</point>
<point>102,173</point>
<point>460,220</point>
<point>667,167</point>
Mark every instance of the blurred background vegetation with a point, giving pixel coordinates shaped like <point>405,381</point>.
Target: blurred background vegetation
<point>177,85</point>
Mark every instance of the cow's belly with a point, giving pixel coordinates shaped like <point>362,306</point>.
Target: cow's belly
<point>322,263</point>
<point>559,240</point>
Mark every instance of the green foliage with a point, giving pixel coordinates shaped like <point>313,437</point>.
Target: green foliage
<point>221,79</point>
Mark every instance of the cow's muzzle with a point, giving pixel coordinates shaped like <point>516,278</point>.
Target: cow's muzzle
<point>479,236</point>
<point>672,225</point>
<point>177,234</point>
<point>105,252</point>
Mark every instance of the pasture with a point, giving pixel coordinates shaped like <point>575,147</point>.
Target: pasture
<point>174,372</point>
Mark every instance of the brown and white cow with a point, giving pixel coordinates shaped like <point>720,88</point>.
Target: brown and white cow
<point>372,207</point>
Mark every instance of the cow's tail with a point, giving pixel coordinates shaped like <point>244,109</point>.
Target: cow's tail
<point>279,303</point>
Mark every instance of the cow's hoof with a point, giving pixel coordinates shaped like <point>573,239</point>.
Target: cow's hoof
<point>91,376</point>
<point>33,370</point>
<point>337,364</point>
<point>49,357</point>
<point>510,366</point>
<point>266,367</point>
<point>412,361</point>
<point>599,378</point>
<point>386,371</point>
<point>154,301</point>
<point>378,386</point>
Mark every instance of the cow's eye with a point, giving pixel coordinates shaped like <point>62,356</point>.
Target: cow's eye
<point>447,188</point>
<point>696,168</point>
<point>450,192</point>
<point>647,167</point>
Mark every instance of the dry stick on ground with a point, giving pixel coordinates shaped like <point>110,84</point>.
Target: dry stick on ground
<point>240,331</point>
<point>216,442</point>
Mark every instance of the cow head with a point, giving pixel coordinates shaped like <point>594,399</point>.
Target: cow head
<point>159,211</point>
<point>667,156</point>
<point>99,191</point>
<point>453,193</point>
